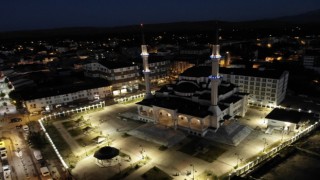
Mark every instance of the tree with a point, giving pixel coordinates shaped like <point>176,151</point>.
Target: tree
<point>2,95</point>
<point>37,140</point>
<point>10,86</point>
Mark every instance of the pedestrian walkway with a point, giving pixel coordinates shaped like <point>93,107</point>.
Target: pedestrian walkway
<point>68,138</point>
<point>158,134</point>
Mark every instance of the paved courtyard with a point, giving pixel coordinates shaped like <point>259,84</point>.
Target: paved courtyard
<point>116,122</point>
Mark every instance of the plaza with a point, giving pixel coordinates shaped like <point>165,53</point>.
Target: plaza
<point>183,160</point>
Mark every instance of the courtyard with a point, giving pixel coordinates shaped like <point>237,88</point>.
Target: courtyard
<point>190,157</point>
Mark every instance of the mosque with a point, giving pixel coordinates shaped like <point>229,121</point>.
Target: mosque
<point>197,102</point>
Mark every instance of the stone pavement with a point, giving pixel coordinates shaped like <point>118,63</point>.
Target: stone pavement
<point>171,160</point>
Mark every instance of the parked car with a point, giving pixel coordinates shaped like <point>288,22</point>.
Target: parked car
<point>3,149</point>
<point>34,113</point>
<point>44,171</point>
<point>19,126</point>
<point>2,143</point>
<point>15,120</point>
<point>37,154</point>
<point>6,171</point>
<point>25,127</point>
<point>4,155</point>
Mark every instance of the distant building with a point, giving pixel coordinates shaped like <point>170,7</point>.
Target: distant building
<point>194,50</point>
<point>159,68</point>
<point>311,60</point>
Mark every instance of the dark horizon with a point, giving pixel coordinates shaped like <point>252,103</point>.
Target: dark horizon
<point>21,15</point>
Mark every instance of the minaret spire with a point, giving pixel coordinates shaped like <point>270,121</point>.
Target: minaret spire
<point>142,34</point>
<point>146,71</point>
<point>215,79</point>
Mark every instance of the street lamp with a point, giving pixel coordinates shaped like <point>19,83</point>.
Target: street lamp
<point>85,148</point>
<point>119,165</point>
<point>265,144</point>
<point>142,151</point>
<point>238,159</point>
<point>192,170</point>
<point>108,139</point>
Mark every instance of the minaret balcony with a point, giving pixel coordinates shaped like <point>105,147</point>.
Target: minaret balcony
<point>214,77</point>
<point>144,54</point>
<point>215,57</point>
<point>146,71</point>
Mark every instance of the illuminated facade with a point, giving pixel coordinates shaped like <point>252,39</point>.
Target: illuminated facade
<point>36,104</point>
<point>198,102</point>
<point>123,77</point>
<point>267,88</point>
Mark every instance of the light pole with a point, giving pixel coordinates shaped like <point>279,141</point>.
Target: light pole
<point>192,170</point>
<point>238,158</point>
<point>119,165</point>
<point>85,148</point>
<point>282,135</point>
<point>142,151</point>
<point>108,139</point>
<point>264,144</point>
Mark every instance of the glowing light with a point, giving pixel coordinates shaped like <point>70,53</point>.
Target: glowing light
<point>53,145</point>
<point>215,56</point>
<point>214,77</point>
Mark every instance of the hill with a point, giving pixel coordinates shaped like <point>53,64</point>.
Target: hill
<point>309,17</point>
<point>310,22</point>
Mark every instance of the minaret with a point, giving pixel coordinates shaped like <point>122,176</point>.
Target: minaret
<point>215,79</point>
<point>146,71</point>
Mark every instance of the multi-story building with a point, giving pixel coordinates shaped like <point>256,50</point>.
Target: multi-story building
<point>124,77</point>
<point>43,101</point>
<point>46,91</point>
<point>267,88</point>
<point>311,60</point>
<point>159,69</point>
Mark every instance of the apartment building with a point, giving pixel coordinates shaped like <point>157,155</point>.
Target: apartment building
<point>311,60</point>
<point>159,68</point>
<point>39,102</point>
<point>266,88</point>
<point>123,77</point>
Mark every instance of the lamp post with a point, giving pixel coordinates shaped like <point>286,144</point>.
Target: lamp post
<point>192,170</point>
<point>237,159</point>
<point>119,164</point>
<point>142,151</point>
<point>108,139</point>
<point>264,144</point>
<point>85,148</point>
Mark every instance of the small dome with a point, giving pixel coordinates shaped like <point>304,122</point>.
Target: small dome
<point>186,87</point>
<point>106,152</point>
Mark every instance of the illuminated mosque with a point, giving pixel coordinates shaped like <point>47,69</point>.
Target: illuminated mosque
<point>198,103</point>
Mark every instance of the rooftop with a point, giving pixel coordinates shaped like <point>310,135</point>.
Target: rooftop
<point>292,116</point>
<point>48,84</point>
<point>205,71</point>
<point>181,105</point>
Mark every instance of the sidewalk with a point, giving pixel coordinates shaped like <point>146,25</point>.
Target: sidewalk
<point>68,138</point>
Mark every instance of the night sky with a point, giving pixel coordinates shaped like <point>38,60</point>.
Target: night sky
<point>44,14</point>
